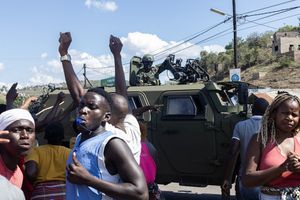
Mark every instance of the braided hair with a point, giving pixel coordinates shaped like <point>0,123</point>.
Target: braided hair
<point>268,127</point>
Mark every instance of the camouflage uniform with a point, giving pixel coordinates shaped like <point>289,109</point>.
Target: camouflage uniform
<point>147,77</point>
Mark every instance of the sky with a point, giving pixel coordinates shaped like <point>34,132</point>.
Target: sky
<point>30,31</point>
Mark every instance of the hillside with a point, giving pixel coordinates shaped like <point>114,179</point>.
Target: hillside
<point>271,76</point>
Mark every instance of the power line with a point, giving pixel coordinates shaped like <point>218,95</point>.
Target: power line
<point>79,71</point>
<point>275,11</point>
<point>205,31</point>
<point>219,34</point>
<point>268,7</point>
<point>241,17</point>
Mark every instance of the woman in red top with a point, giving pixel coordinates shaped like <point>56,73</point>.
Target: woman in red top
<point>148,164</point>
<point>273,154</point>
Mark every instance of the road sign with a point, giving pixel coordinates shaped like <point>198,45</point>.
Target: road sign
<point>235,74</point>
<point>108,82</point>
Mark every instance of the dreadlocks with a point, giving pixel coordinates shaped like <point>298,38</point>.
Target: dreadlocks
<point>268,129</point>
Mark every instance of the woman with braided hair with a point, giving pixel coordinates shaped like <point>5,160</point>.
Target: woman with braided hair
<point>274,153</point>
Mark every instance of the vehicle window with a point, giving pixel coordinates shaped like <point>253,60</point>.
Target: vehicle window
<point>134,102</point>
<point>224,98</point>
<point>180,105</point>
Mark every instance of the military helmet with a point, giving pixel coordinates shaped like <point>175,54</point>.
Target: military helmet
<point>148,58</point>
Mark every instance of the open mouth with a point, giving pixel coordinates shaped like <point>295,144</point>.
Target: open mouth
<point>25,145</point>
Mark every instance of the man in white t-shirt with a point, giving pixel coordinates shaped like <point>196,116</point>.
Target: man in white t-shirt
<point>131,134</point>
<point>122,119</point>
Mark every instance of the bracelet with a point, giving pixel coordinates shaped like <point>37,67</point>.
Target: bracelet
<point>286,167</point>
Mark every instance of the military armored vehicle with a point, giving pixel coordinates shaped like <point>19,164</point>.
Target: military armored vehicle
<point>193,129</point>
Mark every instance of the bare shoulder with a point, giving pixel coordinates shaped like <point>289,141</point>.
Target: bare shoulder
<point>116,148</point>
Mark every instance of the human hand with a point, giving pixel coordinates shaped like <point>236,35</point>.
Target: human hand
<point>225,189</point>
<point>65,40</point>
<point>115,45</point>
<point>76,173</point>
<point>156,107</point>
<point>293,162</point>
<point>60,97</point>
<point>12,93</point>
<point>3,134</point>
<point>28,101</point>
<point>32,99</point>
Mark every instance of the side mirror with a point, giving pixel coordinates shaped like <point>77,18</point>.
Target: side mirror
<point>243,93</point>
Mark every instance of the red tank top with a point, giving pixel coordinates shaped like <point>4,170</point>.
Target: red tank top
<point>272,157</point>
<point>147,164</point>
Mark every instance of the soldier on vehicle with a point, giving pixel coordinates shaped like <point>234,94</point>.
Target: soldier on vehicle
<point>146,73</point>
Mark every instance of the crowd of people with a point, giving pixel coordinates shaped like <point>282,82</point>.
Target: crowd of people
<point>104,162</point>
<point>111,157</point>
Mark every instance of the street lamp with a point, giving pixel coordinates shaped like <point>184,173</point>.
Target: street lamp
<point>234,31</point>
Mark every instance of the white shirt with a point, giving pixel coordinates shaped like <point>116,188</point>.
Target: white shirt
<point>132,135</point>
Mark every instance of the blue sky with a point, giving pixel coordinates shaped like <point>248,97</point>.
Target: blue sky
<point>30,31</point>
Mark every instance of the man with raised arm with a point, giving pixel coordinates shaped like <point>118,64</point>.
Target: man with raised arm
<point>101,165</point>
<point>121,122</point>
<point>122,119</point>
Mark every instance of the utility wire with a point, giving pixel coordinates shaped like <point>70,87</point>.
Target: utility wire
<point>275,11</point>
<point>242,29</point>
<point>285,2</point>
<point>185,41</point>
<point>220,33</point>
<point>79,71</point>
<point>205,31</point>
<point>230,17</point>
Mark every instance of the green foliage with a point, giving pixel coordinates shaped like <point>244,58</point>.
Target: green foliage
<point>229,46</point>
<point>284,61</point>
<point>289,28</point>
<point>3,89</point>
<point>19,101</point>
<point>2,99</point>
<point>254,50</point>
<point>209,61</point>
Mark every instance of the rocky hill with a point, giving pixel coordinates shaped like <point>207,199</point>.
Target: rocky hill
<point>272,76</point>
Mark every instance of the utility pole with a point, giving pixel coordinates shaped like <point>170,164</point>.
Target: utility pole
<point>84,75</point>
<point>235,63</point>
<point>234,35</point>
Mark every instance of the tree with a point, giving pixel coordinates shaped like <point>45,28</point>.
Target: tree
<point>288,28</point>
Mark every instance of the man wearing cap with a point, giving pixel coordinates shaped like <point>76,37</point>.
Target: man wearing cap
<point>21,135</point>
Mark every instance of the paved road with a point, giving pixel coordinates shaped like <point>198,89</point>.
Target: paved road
<point>173,191</point>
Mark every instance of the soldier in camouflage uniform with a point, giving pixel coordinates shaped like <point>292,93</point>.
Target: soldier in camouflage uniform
<point>146,73</point>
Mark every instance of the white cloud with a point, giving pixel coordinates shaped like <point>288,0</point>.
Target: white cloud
<point>40,79</point>
<point>97,66</point>
<point>42,74</point>
<point>142,43</point>
<point>1,66</point>
<point>101,66</point>
<point>137,43</point>
<point>55,65</point>
<point>214,48</point>
<point>44,55</point>
<point>102,5</point>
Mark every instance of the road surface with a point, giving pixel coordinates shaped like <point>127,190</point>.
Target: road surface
<point>174,191</point>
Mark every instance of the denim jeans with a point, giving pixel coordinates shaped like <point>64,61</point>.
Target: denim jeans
<point>248,193</point>
<point>268,197</point>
